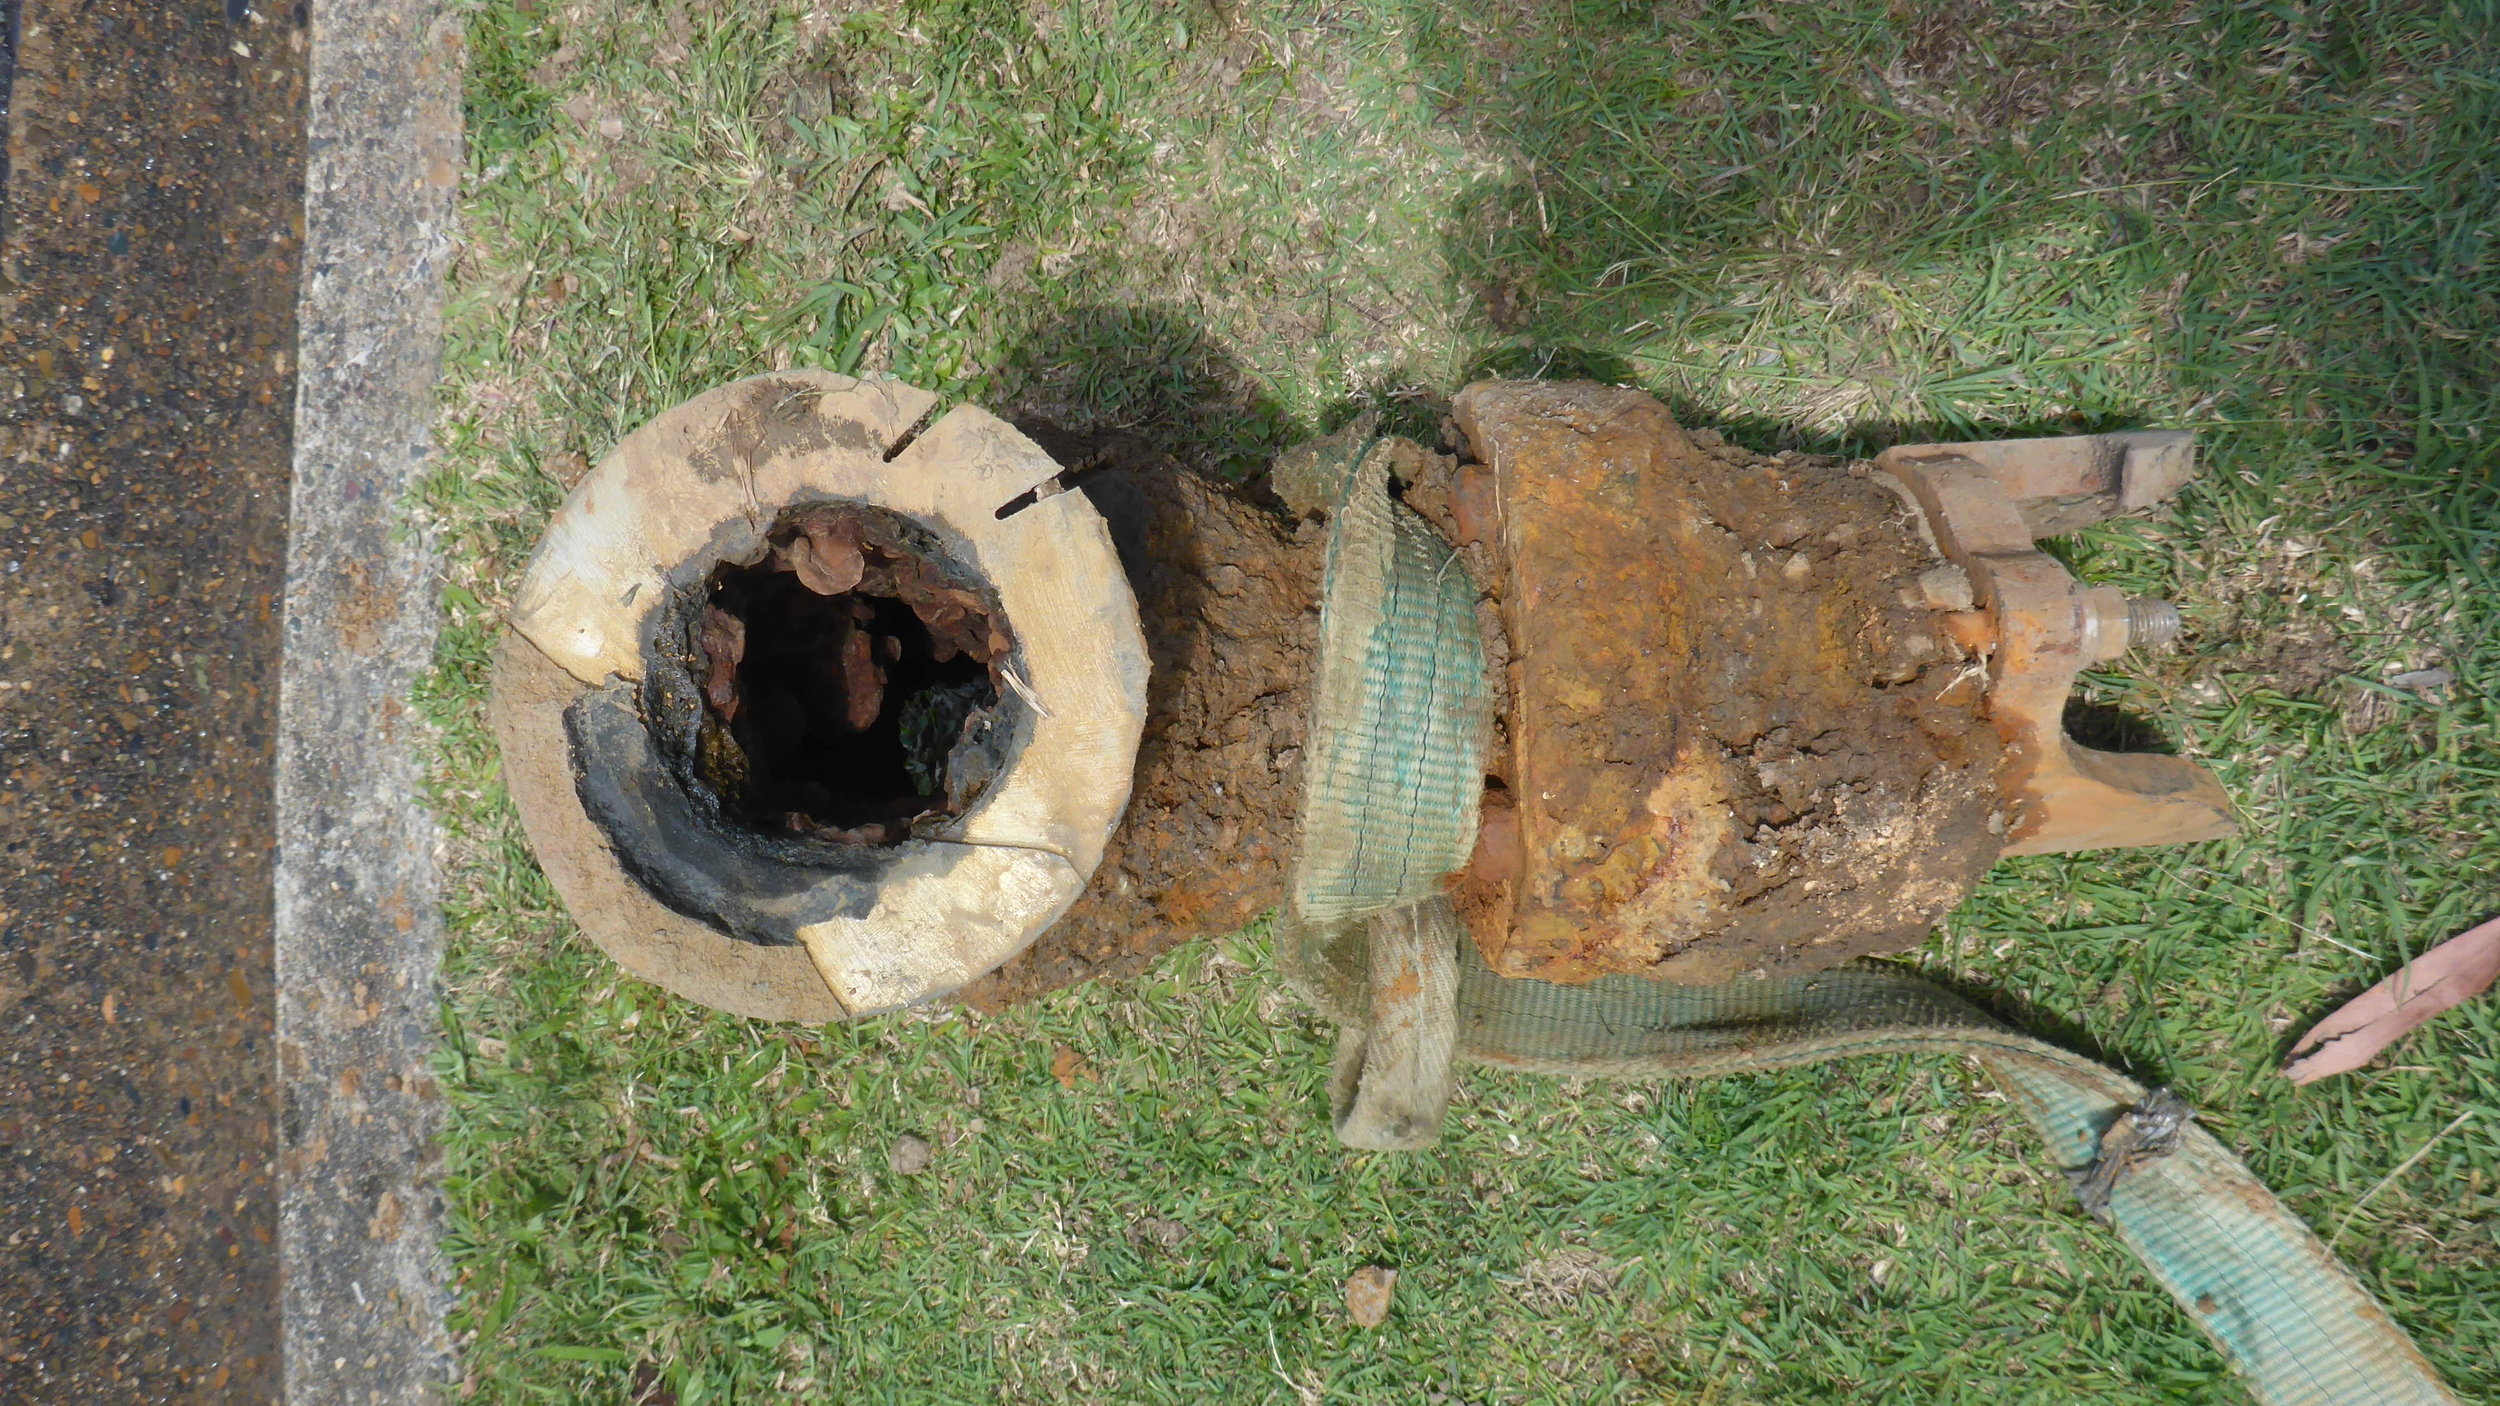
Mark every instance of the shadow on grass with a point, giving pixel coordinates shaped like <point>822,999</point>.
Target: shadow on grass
<point>2029,1016</point>
<point>1130,386</point>
<point>1675,170</point>
<point>2108,729</point>
<point>1105,386</point>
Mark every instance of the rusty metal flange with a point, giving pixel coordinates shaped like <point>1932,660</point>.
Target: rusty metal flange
<point>2036,627</point>
<point>1762,719</point>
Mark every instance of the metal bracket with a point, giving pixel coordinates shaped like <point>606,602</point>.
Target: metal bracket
<point>1986,504</point>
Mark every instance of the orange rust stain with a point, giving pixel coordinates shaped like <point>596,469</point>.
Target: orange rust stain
<point>1704,645</point>
<point>1405,986</point>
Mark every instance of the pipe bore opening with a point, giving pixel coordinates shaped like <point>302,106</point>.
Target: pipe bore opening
<point>850,681</point>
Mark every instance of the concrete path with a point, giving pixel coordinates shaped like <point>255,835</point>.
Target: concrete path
<point>358,926</point>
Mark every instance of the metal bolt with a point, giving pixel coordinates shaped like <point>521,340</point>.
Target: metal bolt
<point>2113,623</point>
<point>2152,623</point>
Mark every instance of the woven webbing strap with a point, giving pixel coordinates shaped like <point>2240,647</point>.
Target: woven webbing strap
<point>1394,774</point>
<point>2300,1329</point>
<point>1393,771</point>
<point>1393,768</point>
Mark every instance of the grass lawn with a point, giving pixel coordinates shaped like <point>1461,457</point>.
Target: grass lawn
<point>1224,225</point>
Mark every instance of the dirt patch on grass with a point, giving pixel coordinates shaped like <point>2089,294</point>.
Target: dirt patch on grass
<point>2293,659</point>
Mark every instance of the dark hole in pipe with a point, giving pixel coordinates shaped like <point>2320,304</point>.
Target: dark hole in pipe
<point>850,680</point>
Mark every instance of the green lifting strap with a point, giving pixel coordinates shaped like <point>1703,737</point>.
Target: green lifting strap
<point>1391,786</point>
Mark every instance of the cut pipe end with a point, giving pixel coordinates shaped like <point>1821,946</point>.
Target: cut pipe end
<point>787,620</point>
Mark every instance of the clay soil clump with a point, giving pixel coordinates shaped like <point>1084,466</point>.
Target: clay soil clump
<point>1229,594</point>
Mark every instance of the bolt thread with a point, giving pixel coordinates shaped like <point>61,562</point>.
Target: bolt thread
<point>2152,623</point>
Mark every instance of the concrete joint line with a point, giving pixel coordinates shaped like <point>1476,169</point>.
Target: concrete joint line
<point>359,933</point>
